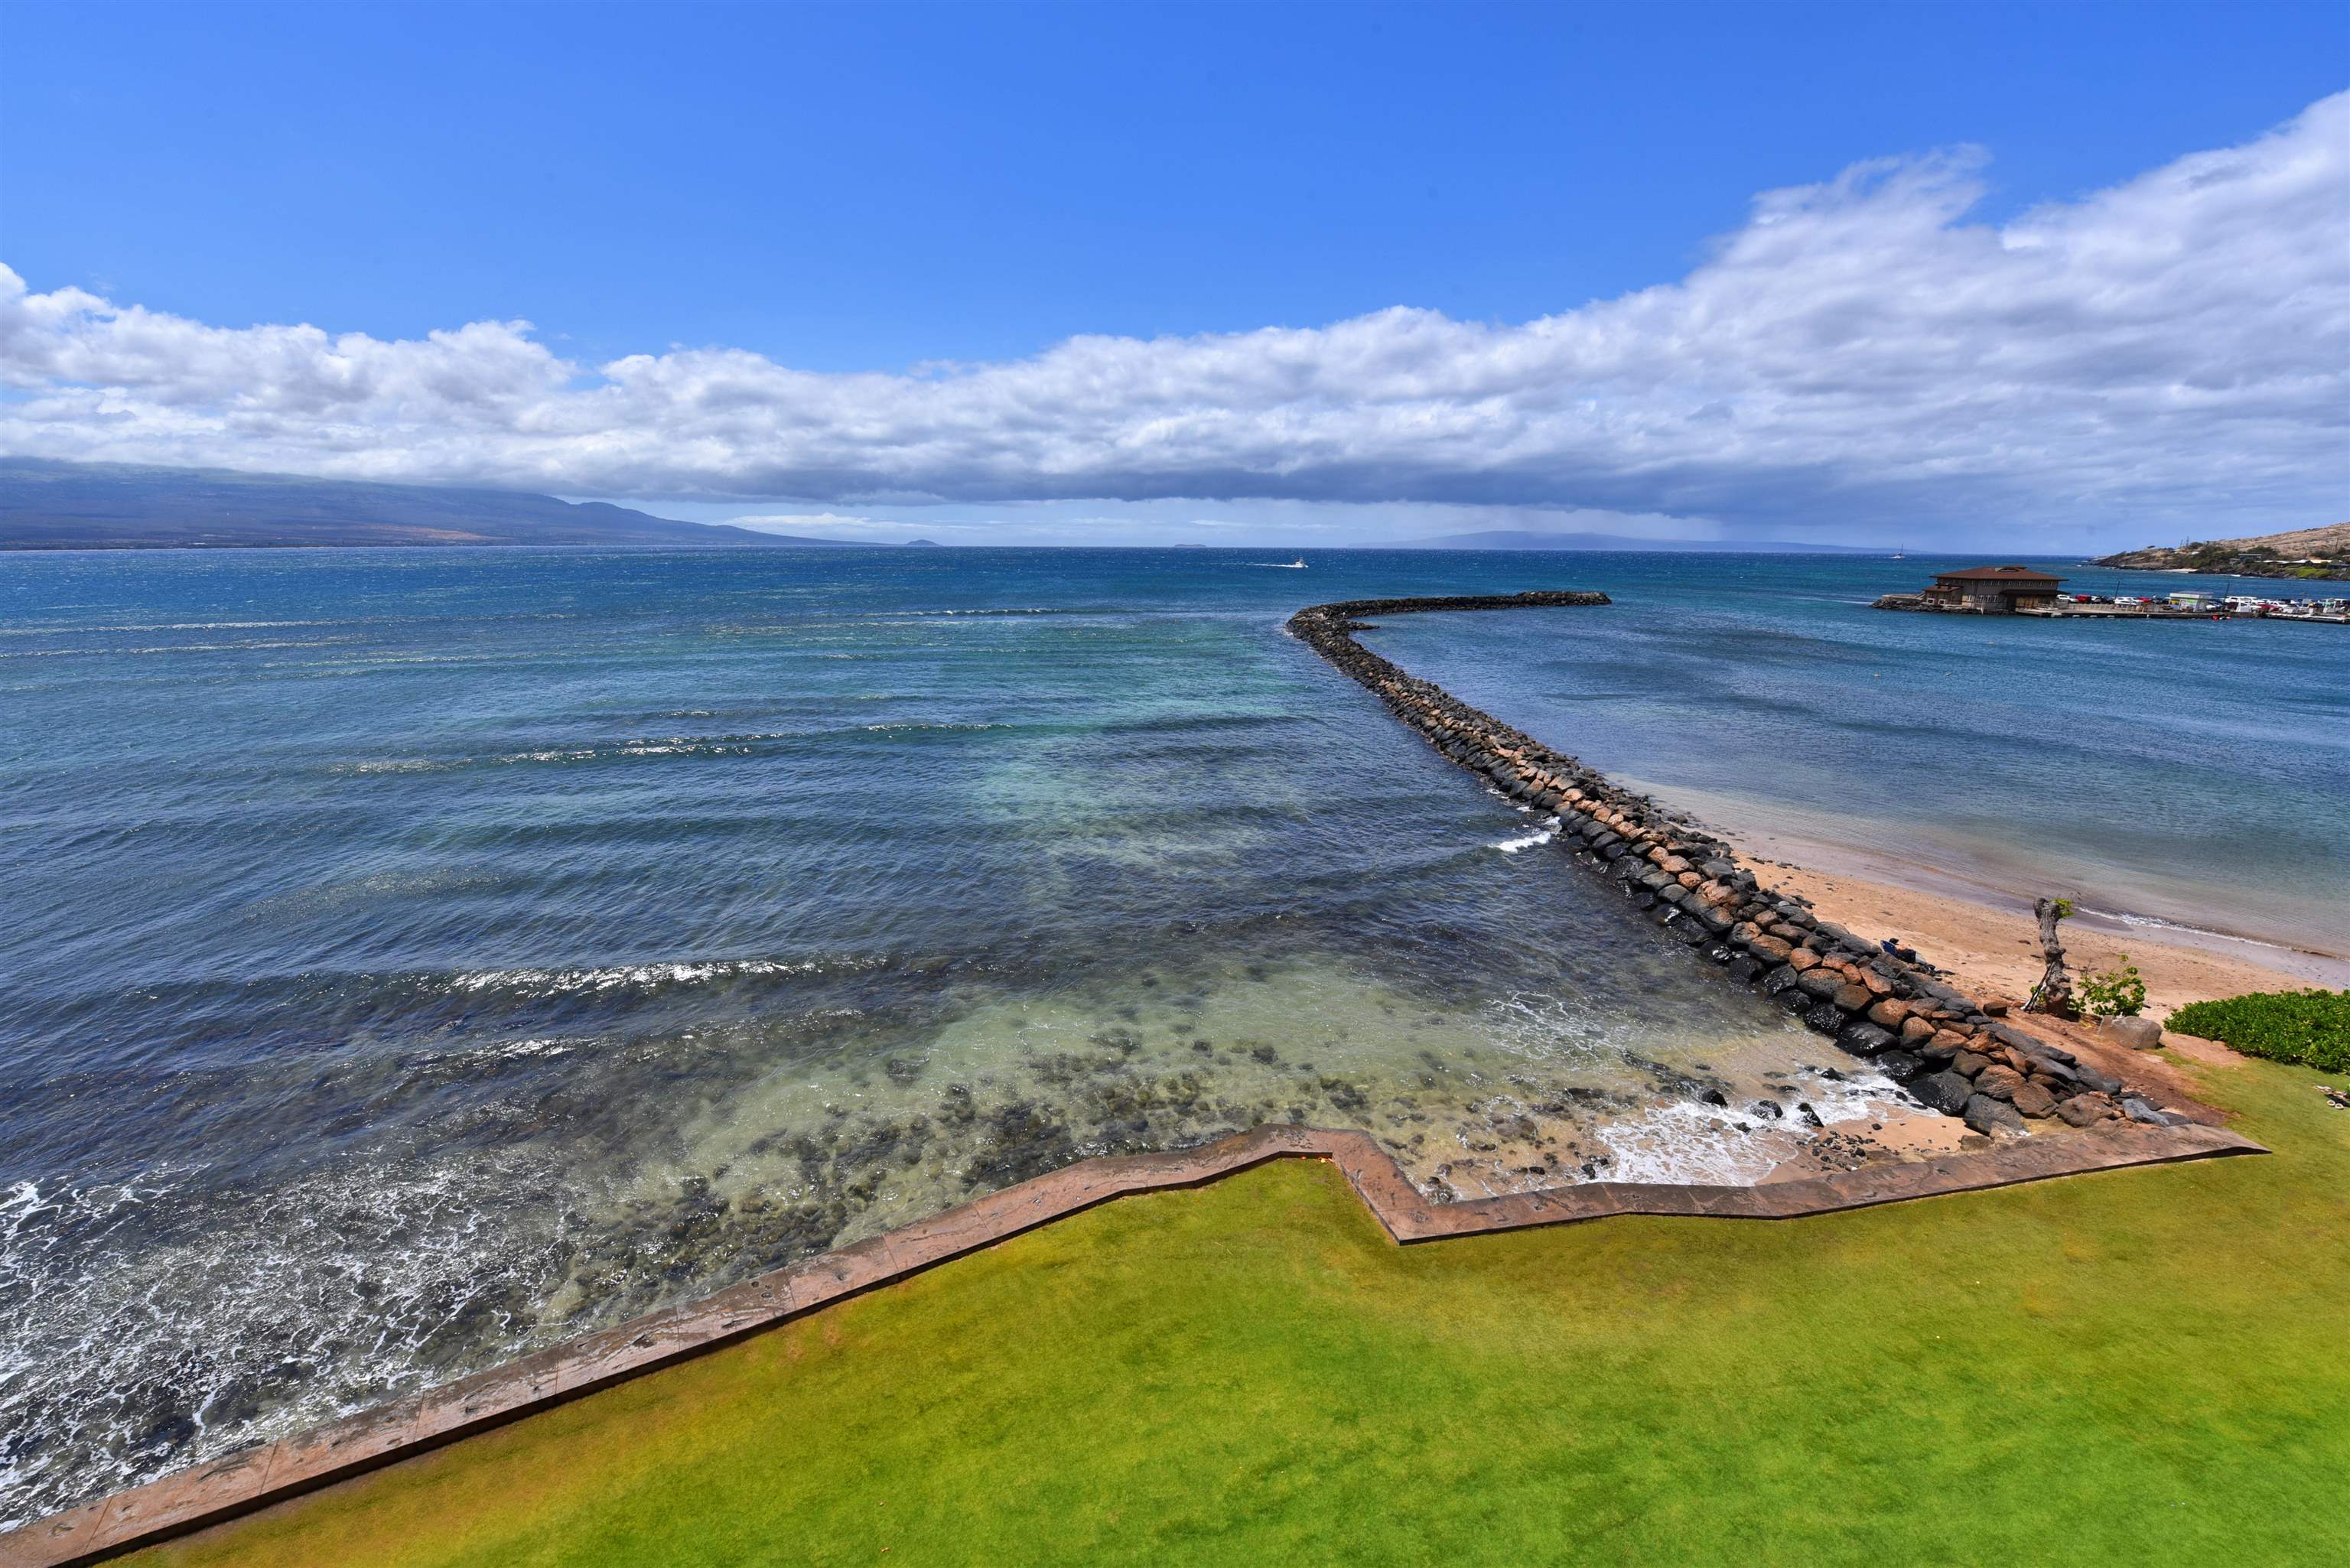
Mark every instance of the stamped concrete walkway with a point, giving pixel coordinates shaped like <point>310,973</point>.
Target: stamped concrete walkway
<point>255,1477</point>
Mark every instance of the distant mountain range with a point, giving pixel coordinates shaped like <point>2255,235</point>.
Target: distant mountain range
<point>2303,553</point>
<point>1526,539</point>
<point>49,505</point>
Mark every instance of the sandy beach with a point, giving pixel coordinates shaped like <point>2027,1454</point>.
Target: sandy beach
<point>1994,950</point>
<point>1977,920</point>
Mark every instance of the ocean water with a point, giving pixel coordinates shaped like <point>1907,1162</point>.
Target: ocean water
<point>414,957</point>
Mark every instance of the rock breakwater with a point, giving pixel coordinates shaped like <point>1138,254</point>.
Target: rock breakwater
<point>1943,1047</point>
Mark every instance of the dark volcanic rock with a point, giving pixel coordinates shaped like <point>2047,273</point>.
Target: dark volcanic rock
<point>1900,1065</point>
<point>2081,1110</point>
<point>1865,1039</point>
<point>1945,1092</point>
<point>2034,1101</point>
<point>1827,1018</point>
<point>1992,1117</point>
<point>1999,1083</point>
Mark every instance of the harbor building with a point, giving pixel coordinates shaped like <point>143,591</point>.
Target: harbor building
<point>1993,590</point>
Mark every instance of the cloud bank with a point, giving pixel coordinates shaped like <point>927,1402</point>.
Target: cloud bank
<point>2175,350</point>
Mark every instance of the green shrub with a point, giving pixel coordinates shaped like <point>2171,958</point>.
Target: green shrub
<point>2117,993</point>
<point>2312,1027</point>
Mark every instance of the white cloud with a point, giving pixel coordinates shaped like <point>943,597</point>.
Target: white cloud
<point>2175,350</point>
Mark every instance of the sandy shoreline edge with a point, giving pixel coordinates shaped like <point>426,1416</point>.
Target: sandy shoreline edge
<point>1966,918</point>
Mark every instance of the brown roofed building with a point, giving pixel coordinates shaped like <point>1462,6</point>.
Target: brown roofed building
<point>1993,590</point>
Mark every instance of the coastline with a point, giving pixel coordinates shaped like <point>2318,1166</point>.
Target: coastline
<point>1987,1081</point>
<point>1967,917</point>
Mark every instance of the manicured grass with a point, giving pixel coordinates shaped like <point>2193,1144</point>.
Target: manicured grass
<point>2311,1027</point>
<point>2143,1367</point>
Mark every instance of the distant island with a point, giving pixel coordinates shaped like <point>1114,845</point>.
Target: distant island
<point>927,544</point>
<point>46,505</point>
<point>1529,539</point>
<point>2303,553</point>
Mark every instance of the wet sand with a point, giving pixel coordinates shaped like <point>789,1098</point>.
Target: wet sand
<point>1976,919</point>
<point>1995,949</point>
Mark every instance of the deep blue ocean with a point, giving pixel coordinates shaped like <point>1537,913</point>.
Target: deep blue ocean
<point>414,956</point>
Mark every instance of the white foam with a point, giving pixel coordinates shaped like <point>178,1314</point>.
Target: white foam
<point>559,981</point>
<point>1543,835</point>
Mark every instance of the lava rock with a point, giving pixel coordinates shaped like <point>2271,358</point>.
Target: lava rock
<point>2103,1082</point>
<point>1864,1039</point>
<point>2036,1102</point>
<point>2000,1083</point>
<point>1900,1065</point>
<point>2083,1111</point>
<point>1945,1092</point>
<point>1992,1117</point>
<point>1827,1018</point>
<point>2138,1033</point>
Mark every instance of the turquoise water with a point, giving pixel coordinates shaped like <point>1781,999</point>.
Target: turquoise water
<point>2193,773</point>
<point>416,956</point>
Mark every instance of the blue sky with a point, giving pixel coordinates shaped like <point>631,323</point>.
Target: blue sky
<point>879,188</point>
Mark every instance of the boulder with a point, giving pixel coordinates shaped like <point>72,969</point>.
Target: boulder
<point>1966,1063</point>
<point>2139,1110</point>
<point>1945,1092</point>
<point>2138,1033</point>
<point>2000,1083</point>
<point>1770,950</point>
<point>1864,1039</point>
<point>1893,1014</point>
<point>2103,1082</point>
<point>1900,1065</point>
<point>1820,983</point>
<point>1802,957</point>
<point>1827,1018</point>
<point>1743,970</point>
<point>2033,1101</point>
<point>2081,1110</point>
<point>1915,1031</point>
<point>1852,998</point>
<point>1992,1117</point>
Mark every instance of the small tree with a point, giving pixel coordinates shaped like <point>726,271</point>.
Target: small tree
<point>2054,995</point>
<point>2115,993</point>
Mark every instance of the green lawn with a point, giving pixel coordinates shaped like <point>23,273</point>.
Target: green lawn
<point>2140,1367</point>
